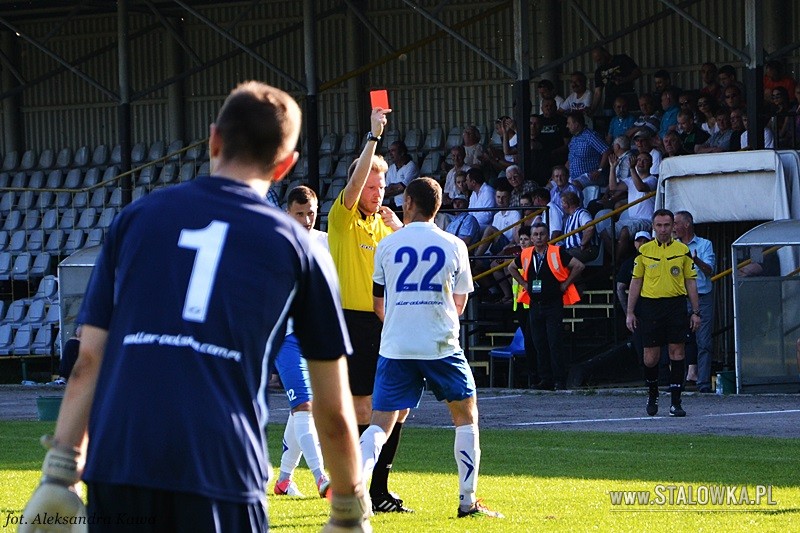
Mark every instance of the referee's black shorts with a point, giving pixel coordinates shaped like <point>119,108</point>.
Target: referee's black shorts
<point>365,336</point>
<point>663,321</point>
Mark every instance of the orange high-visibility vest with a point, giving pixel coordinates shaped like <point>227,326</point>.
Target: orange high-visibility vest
<point>560,272</point>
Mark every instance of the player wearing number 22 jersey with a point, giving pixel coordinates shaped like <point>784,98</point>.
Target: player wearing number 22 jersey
<point>194,285</point>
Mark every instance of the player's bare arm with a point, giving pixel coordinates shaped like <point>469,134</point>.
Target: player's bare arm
<point>634,291</point>
<point>352,191</point>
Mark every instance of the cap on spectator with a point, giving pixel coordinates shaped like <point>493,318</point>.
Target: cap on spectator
<point>642,134</point>
<point>643,235</point>
<point>459,196</point>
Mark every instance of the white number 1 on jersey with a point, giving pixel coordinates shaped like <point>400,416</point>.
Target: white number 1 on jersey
<point>208,242</point>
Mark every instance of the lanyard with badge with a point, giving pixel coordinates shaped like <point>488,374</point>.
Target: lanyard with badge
<point>536,284</point>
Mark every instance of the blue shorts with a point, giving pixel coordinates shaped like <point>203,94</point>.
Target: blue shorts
<point>399,383</point>
<point>293,370</point>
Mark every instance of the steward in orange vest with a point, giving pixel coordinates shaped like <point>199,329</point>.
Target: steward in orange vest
<point>559,270</point>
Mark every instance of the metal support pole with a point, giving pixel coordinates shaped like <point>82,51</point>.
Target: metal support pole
<point>12,122</point>
<point>522,87</point>
<point>754,72</point>
<point>124,108</point>
<point>312,111</point>
<point>176,103</point>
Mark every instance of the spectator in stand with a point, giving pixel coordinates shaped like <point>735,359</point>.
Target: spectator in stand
<point>721,140</point>
<point>526,201</point>
<point>500,221</point>
<point>498,160</point>
<point>625,157</point>
<point>559,184</point>
<point>461,184</point>
<point>462,224</point>
<point>554,132</point>
<point>669,104</point>
<point>769,139</point>
<point>640,182</point>
<point>581,245</point>
<point>648,120</point>
<point>588,152</point>
<point>690,134</point>
<point>662,80</point>
<point>687,101</point>
<point>459,155</point>
<point>482,196</point>
<point>519,186</point>
<point>737,128</point>
<point>727,78</point>
<point>622,121</point>
<point>672,145</point>
<point>734,98</point>
<point>553,216</point>
<point>644,145</point>
<point>708,108</point>
<point>540,156</point>
<point>711,87</point>
<point>773,78</point>
<point>580,99</point>
<point>547,91</point>
<point>400,173</point>
<point>472,146</point>
<point>781,123</point>
<point>613,77</point>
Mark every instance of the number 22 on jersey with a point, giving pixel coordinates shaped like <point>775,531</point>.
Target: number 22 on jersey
<point>432,254</point>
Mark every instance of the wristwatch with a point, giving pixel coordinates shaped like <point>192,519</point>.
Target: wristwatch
<point>373,137</point>
<point>697,313</point>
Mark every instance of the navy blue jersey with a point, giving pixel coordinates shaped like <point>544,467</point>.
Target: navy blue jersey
<point>194,285</point>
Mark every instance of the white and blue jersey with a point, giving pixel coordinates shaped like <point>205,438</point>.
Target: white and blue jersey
<point>194,286</point>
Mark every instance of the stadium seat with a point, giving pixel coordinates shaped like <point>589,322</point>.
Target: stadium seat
<point>106,218</point>
<point>495,141</point>
<point>138,154</point>
<point>434,141</point>
<point>6,264</point>
<point>22,340</point>
<point>46,200</point>
<point>174,151</point>
<point>325,166</point>
<point>515,349</point>
<point>115,200</point>
<point>13,221</point>
<point>98,198</point>
<point>95,238</point>
<point>47,290</point>
<point>74,179</point>
<point>53,312</point>
<point>74,242</point>
<point>5,179</point>
<point>329,144</point>
<point>300,170</point>
<point>590,192</point>
<point>36,180</point>
<point>87,219</point>
<point>50,219</point>
<point>100,155</point>
<point>4,238</point>
<point>31,220</point>
<point>19,181</point>
<point>413,140</point>
<point>2,309</point>
<point>55,179</point>
<point>454,139</point>
<point>10,161</point>
<point>22,266</point>
<point>342,167</point>
<point>389,136</point>
<point>156,151</point>
<point>80,200</point>
<point>26,200</point>
<point>82,157</point>
<point>186,172</point>
<point>64,158</point>
<point>138,192</point>
<point>42,266</point>
<point>36,312</point>
<point>18,242</point>
<point>16,312</point>
<point>63,200</point>
<point>6,339</point>
<point>36,241</point>
<point>55,242</point>
<point>204,169</point>
<point>430,165</point>
<point>167,174</point>
<point>8,201</point>
<point>28,161</point>
<point>349,144</point>
<point>68,219</point>
<point>109,174</point>
<point>147,176</point>
<point>91,178</point>
<point>116,155</point>
<point>46,159</point>
<point>42,343</point>
<point>335,188</point>
<point>195,153</point>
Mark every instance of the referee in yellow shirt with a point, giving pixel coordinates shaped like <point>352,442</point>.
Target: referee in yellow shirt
<point>356,223</point>
<point>663,275</point>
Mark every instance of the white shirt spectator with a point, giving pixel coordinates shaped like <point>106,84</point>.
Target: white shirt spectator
<point>403,175</point>
<point>643,210</point>
<point>450,181</point>
<point>483,197</point>
<point>503,219</point>
<point>769,139</point>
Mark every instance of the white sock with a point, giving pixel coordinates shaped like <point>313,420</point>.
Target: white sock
<point>290,457</point>
<point>306,434</point>
<point>372,441</point>
<point>467,451</point>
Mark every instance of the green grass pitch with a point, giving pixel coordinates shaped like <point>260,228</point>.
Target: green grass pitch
<point>541,481</point>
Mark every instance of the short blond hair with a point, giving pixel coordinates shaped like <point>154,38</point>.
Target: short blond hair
<point>378,164</point>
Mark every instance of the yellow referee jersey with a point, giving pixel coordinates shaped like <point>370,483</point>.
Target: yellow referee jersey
<point>664,268</point>
<point>353,239</point>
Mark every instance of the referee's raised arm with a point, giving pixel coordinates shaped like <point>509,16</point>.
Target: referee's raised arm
<point>352,191</point>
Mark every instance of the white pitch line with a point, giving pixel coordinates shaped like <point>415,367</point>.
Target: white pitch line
<point>486,399</point>
<point>557,422</point>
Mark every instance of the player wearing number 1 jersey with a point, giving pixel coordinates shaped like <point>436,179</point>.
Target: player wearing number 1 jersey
<point>420,286</point>
<point>183,313</point>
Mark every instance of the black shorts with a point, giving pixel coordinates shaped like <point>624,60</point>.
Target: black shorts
<point>365,336</point>
<point>663,321</point>
<point>116,508</point>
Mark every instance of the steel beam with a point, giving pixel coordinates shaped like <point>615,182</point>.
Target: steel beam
<point>124,107</point>
<point>754,71</point>
<point>239,44</point>
<point>458,37</point>
<point>174,33</point>
<point>312,111</point>
<point>585,18</point>
<point>369,25</point>
<point>522,86</point>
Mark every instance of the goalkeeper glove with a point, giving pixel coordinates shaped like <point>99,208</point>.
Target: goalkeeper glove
<point>350,514</point>
<point>56,499</point>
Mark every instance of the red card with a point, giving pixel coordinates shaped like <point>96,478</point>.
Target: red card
<point>379,98</point>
